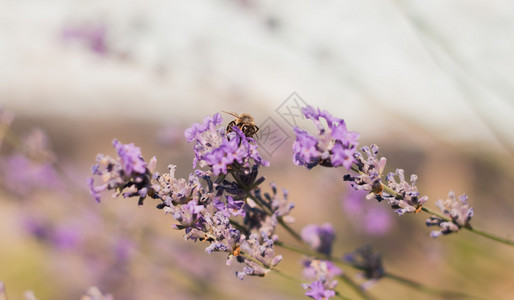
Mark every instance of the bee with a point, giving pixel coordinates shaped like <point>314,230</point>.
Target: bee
<point>245,122</point>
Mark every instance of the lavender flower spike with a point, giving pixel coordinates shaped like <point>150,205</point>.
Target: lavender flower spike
<point>127,175</point>
<point>130,156</point>
<point>333,146</point>
<point>222,152</point>
<point>458,211</point>
<point>404,198</point>
<point>370,172</point>
<point>407,198</point>
<point>319,238</point>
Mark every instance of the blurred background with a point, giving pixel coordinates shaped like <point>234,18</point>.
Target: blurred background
<point>429,82</point>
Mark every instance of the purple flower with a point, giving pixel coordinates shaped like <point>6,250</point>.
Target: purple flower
<point>23,176</point>
<point>209,124</point>
<point>92,36</point>
<point>215,148</point>
<point>131,157</point>
<point>333,146</point>
<point>66,237</point>
<point>304,149</point>
<point>458,211</point>
<point>317,291</point>
<point>231,207</point>
<point>342,156</point>
<point>127,175</point>
<point>95,190</point>
<point>319,238</point>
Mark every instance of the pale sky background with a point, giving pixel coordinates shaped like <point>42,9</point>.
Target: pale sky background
<point>445,65</point>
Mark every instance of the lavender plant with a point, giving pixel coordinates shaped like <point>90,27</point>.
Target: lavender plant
<point>401,195</point>
<point>231,216</point>
<point>222,205</point>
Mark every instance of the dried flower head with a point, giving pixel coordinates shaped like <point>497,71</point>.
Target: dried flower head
<point>404,197</point>
<point>458,211</point>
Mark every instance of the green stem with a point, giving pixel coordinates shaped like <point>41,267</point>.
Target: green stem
<point>290,230</point>
<point>429,211</point>
<point>491,236</point>
<point>428,290</point>
<point>399,279</point>
<point>355,287</point>
<point>474,230</point>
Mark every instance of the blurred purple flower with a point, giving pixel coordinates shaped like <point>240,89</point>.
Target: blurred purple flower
<point>66,237</point>
<point>319,238</point>
<point>124,249</point>
<point>365,216</point>
<point>21,175</point>
<point>377,221</point>
<point>317,291</point>
<point>59,236</point>
<point>93,37</point>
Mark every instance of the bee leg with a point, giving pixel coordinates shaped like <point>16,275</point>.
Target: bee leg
<point>230,125</point>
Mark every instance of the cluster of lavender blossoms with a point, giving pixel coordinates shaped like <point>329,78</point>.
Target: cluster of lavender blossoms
<point>333,146</point>
<point>458,211</point>
<point>230,215</point>
<point>403,196</point>
<point>221,203</point>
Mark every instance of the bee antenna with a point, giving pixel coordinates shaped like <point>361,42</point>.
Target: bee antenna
<point>231,113</point>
